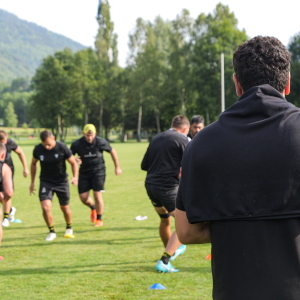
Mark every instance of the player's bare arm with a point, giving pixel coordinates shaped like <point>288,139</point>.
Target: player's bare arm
<point>22,157</point>
<point>7,182</point>
<point>33,169</point>
<point>114,157</point>
<point>74,165</point>
<point>191,233</point>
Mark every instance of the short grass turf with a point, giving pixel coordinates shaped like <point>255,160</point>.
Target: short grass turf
<point>116,261</point>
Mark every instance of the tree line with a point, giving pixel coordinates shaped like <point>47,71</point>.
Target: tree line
<point>173,68</point>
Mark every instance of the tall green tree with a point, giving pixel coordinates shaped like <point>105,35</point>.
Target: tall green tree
<point>56,102</point>
<point>10,118</point>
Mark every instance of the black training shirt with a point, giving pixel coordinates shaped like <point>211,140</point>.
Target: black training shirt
<point>53,162</point>
<point>256,260</point>
<point>91,155</point>
<point>162,160</point>
<point>10,145</point>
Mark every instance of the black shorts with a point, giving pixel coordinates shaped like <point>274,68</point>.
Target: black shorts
<point>162,197</point>
<point>93,182</point>
<point>47,190</point>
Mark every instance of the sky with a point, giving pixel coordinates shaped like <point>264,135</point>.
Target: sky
<point>76,18</point>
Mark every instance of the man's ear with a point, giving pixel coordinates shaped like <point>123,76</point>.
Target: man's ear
<point>239,90</point>
<point>288,86</point>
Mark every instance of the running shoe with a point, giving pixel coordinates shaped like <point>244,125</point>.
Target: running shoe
<point>180,250</point>
<point>163,268</point>
<point>69,233</point>
<point>99,223</point>
<point>11,216</point>
<point>93,216</point>
<point>5,222</point>
<point>50,237</point>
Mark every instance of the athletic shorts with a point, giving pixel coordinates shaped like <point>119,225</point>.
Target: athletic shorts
<point>93,182</point>
<point>162,197</point>
<point>47,190</point>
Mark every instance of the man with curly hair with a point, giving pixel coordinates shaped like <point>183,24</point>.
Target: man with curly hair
<point>240,184</point>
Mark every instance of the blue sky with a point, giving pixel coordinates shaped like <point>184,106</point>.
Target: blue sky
<point>76,18</point>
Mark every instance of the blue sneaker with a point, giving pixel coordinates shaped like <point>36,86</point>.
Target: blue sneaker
<point>180,250</point>
<point>163,268</point>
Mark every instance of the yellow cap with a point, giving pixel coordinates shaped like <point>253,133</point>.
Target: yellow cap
<point>89,127</point>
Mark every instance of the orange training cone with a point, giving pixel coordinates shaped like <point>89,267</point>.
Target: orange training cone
<point>208,257</point>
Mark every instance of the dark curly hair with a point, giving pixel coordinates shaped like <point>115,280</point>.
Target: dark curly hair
<point>262,60</point>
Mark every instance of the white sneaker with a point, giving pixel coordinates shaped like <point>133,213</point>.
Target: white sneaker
<point>5,222</point>
<point>11,216</point>
<point>50,237</point>
<point>68,232</point>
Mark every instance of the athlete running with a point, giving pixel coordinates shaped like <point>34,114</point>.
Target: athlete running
<point>162,162</point>
<point>6,183</point>
<point>92,170</point>
<point>8,210</point>
<point>53,179</point>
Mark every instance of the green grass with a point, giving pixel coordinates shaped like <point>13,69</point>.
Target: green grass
<point>116,261</point>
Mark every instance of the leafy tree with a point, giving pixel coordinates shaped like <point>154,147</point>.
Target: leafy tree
<point>56,102</point>
<point>294,48</point>
<point>10,118</point>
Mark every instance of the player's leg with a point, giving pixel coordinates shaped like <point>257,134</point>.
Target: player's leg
<point>168,199</point>
<point>98,188</point>
<point>47,214</point>
<point>46,195</point>
<point>8,211</point>
<point>1,195</point>
<point>63,193</point>
<point>84,187</point>
<point>165,224</point>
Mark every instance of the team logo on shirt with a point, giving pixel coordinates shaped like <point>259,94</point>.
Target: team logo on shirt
<point>42,157</point>
<point>43,190</point>
<point>90,155</point>
<point>56,155</point>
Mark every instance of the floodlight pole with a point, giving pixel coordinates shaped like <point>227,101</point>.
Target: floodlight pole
<point>222,83</point>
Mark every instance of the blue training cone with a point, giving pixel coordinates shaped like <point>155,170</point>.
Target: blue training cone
<point>157,286</point>
<point>17,221</point>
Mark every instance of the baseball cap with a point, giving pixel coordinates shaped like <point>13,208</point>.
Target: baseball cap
<point>89,127</point>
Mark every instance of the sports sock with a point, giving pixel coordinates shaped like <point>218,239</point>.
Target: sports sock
<point>165,258</point>
<point>51,228</point>
<point>69,225</point>
<point>92,207</point>
<point>6,215</point>
<point>99,217</point>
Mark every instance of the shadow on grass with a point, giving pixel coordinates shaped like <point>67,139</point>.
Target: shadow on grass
<point>87,242</point>
<point>137,267</point>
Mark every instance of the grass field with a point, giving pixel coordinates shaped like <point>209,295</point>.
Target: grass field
<point>116,261</point>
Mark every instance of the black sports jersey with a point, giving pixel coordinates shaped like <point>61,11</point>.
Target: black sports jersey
<point>91,155</point>
<point>53,162</point>
<point>10,145</point>
<point>162,160</point>
<point>189,135</point>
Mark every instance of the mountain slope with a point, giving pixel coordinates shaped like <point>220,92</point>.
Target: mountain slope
<point>23,45</point>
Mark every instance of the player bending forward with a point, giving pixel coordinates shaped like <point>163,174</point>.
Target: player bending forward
<point>53,179</point>
<point>92,169</point>
<point>9,211</point>
<point>6,183</point>
<point>162,162</point>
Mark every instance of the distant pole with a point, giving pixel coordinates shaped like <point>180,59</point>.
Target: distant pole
<point>222,83</point>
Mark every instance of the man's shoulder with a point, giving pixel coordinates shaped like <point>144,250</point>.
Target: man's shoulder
<point>61,146</point>
<point>78,142</point>
<point>38,147</point>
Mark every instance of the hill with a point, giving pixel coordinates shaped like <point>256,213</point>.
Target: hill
<point>23,45</point>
